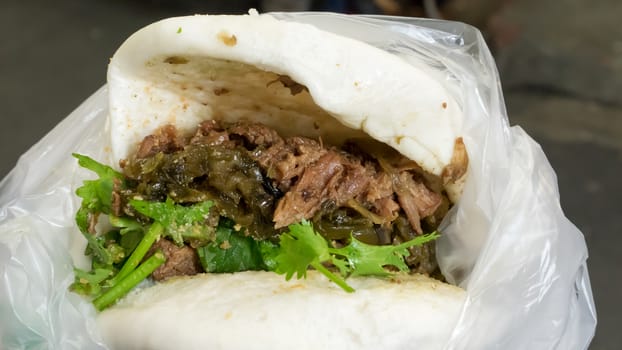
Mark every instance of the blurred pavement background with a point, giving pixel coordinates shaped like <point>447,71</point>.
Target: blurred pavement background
<point>560,64</point>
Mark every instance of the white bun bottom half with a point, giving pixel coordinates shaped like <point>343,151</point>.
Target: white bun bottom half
<point>260,310</point>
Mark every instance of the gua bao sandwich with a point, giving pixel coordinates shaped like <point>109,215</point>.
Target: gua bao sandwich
<point>248,151</point>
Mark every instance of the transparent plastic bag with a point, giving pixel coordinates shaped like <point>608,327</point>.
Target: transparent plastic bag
<point>506,242</point>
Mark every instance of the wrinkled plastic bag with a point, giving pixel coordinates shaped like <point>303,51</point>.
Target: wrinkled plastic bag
<point>507,242</point>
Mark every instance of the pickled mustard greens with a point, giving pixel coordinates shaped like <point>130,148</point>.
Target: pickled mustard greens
<point>225,176</point>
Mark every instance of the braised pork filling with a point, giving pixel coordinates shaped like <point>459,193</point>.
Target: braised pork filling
<point>263,182</point>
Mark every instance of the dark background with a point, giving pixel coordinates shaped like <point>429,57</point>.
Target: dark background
<point>560,64</point>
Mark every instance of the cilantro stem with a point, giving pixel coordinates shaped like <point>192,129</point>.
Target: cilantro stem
<point>130,281</point>
<point>152,234</point>
<point>331,276</point>
<point>419,240</point>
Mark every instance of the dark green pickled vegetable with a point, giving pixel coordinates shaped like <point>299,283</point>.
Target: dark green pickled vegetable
<point>341,223</point>
<point>225,175</point>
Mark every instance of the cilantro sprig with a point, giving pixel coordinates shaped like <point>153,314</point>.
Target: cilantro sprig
<point>96,199</point>
<point>301,247</point>
<point>369,260</point>
<point>96,194</point>
<point>89,282</point>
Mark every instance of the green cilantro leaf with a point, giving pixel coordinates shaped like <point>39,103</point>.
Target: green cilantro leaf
<point>130,240</point>
<point>117,252</point>
<point>369,260</point>
<point>179,221</point>
<point>130,232</point>
<point>102,170</point>
<point>231,252</point>
<point>125,224</point>
<point>96,199</point>
<point>96,194</point>
<point>342,265</point>
<point>299,248</point>
<point>88,283</point>
<point>96,246</point>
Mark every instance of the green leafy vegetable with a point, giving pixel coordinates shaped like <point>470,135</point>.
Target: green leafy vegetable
<point>231,252</point>
<point>126,225</point>
<point>128,236</point>
<point>96,198</point>
<point>299,248</point>
<point>88,283</point>
<point>96,246</point>
<point>369,260</point>
<point>130,240</point>
<point>129,233</point>
<point>117,253</point>
<point>96,194</point>
<point>179,221</point>
<point>302,247</point>
<point>269,252</point>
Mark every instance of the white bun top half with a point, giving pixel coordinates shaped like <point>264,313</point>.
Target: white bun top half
<point>188,69</point>
<point>260,310</point>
